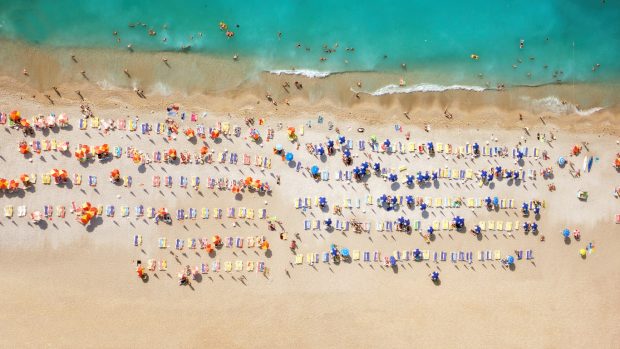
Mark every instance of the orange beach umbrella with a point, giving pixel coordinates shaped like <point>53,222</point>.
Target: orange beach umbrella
<point>25,179</point>
<point>115,174</point>
<point>13,184</point>
<point>4,183</point>
<point>204,150</point>
<point>15,116</point>
<point>172,153</point>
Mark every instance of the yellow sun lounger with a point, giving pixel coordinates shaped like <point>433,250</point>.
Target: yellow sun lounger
<point>499,225</point>
<point>483,225</point>
<point>508,226</point>
<point>46,179</point>
<point>310,258</point>
<point>517,226</point>
<point>163,265</point>
<point>411,147</point>
<point>94,122</point>
<point>497,255</point>
<point>250,213</point>
<point>355,255</point>
<point>239,266</point>
<point>228,266</point>
<point>438,202</point>
<point>299,258</point>
<point>426,254</point>
<point>249,266</point>
<point>8,211</point>
<point>436,225</point>
<point>445,225</point>
<point>440,147</point>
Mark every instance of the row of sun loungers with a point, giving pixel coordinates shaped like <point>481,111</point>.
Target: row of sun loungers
<point>201,243</point>
<point>214,266</point>
<point>409,255</point>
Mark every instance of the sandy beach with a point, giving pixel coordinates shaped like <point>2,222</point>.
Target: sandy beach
<point>64,284</point>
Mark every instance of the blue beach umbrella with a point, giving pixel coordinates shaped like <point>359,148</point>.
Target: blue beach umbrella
<point>488,200</point>
<point>525,206</point>
<point>510,259</point>
<point>476,147</point>
<point>347,153</point>
<point>322,201</point>
<point>496,201</point>
<point>534,227</point>
<point>526,226</point>
<point>519,155</point>
<point>377,166</point>
<point>289,157</point>
<point>314,170</point>
<point>508,174</point>
<point>566,233</point>
<point>356,171</point>
<point>320,150</point>
<point>330,143</point>
<point>345,252</point>
<point>419,177</point>
<point>393,178</point>
<point>392,261</point>
<point>430,230</point>
<point>435,276</point>
<point>409,199</point>
<point>394,200</point>
<point>423,206</point>
<point>536,210</point>
<point>435,175</point>
<point>387,143</point>
<point>561,161</point>
<point>490,177</point>
<point>328,222</point>
<point>498,169</point>
<point>383,198</point>
<point>430,146</point>
<point>410,179</point>
<point>427,177</point>
<point>483,174</point>
<point>365,165</point>
<point>341,139</point>
<point>516,174</point>
<point>417,254</point>
<point>477,229</point>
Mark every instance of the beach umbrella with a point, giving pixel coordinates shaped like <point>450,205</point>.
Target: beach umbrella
<point>204,150</point>
<point>409,199</point>
<point>278,147</point>
<point>209,248</point>
<point>393,177</point>
<point>373,139</point>
<point>36,216</point>
<point>25,179</point>
<point>516,174</point>
<point>483,174</point>
<point>423,206</point>
<point>417,254</point>
<point>320,150</point>
<point>264,245</point>
<point>427,177</point>
<point>345,252</point>
<point>582,252</point>
<point>534,227</point>
<point>291,132</point>
<point>476,147</point>
<point>519,155</point>
<point>487,200</point>
<point>217,240</point>
<point>410,179</point>
<point>536,210</point>
<point>561,161</point>
<point>577,234</point>
<point>510,259</point>
<point>172,153</point>
<point>137,158</point>
<point>347,153</point>
<point>434,276</point>
<point>387,143</point>
<point>314,170</point>
<point>24,123</point>
<point>356,171</point>
<point>115,174</point>
<point>435,175</point>
<point>333,249</point>
<point>419,177</point>
<point>430,230</point>
<point>330,144</point>
<point>430,146</point>
<point>392,261</point>
<point>394,200</point>
<point>23,148</point>
<point>248,180</point>
<point>13,184</point>
<point>289,157</point>
<point>14,116</point>
<point>526,226</point>
<point>377,166</point>
<point>328,222</point>
<point>341,139</point>
<point>508,174</point>
<point>322,201</point>
<point>383,198</point>
<point>215,134</point>
<point>190,133</point>
<point>4,183</point>
<point>498,170</point>
<point>495,201</point>
<point>566,233</point>
<point>490,177</point>
<point>477,229</point>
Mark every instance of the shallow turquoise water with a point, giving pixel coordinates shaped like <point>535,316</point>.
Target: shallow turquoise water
<point>430,36</point>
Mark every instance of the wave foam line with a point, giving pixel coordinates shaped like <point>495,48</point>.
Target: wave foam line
<point>394,89</point>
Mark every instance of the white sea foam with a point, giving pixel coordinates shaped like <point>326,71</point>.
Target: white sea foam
<point>394,89</point>
<point>161,89</point>
<point>302,72</point>
<point>555,105</point>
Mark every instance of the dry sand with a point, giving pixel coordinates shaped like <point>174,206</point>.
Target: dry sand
<point>66,285</point>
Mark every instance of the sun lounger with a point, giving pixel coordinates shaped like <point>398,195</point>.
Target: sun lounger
<point>215,266</point>
<point>21,211</point>
<point>228,266</point>
<point>137,240</point>
<point>92,181</point>
<point>491,225</point>
<point>499,225</point>
<point>444,256</point>
<point>46,179</point>
<point>238,265</point>
<point>529,255</point>
<point>163,243</point>
<point>519,254</point>
<point>229,241</point>
<point>366,257</point>
<point>179,244</point>
<point>425,254</point>
<point>497,255</point>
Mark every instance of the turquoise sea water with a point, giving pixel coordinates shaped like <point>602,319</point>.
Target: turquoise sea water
<point>435,37</point>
